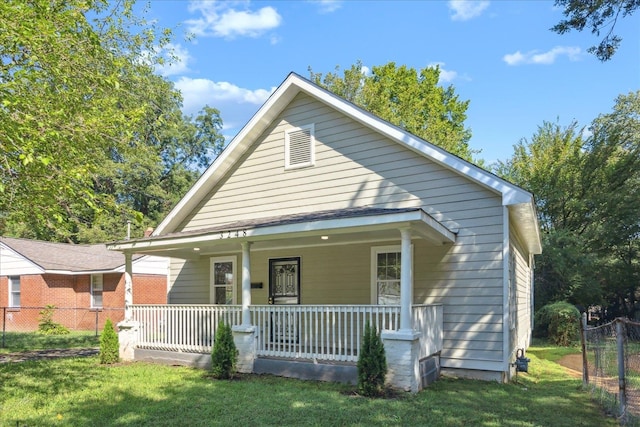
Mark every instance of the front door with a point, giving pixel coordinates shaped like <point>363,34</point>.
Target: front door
<point>284,281</point>
<point>284,289</point>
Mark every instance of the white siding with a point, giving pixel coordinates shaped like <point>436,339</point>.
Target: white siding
<point>151,265</point>
<point>14,264</point>
<point>357,167</point>
<point>523,294</point>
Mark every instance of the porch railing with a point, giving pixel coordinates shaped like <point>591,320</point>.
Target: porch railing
<point>183,328</point>
<point>323,332</point>
<point>327,332</point>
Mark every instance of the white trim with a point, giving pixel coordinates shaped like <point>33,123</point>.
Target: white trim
<point>506,350</point>
<point>234,284</point>
<point>28,267</point>
<point>287,147</point>
<point>417,220</point>
<point>93,279</point>
<point>375,250</point>
<point>10,301</point>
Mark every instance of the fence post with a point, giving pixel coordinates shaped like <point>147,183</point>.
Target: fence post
<point>4,323</point>
<point>583,339</point>
<point>96,322</point>
<point>621,372</point>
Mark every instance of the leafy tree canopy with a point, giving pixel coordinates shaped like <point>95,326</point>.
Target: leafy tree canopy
<point>90,136</point>
<point>599,16</point>
<point>407,98</point>
<point>587,188</point>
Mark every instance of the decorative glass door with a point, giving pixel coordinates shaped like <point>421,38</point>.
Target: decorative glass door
<point>284,289</point>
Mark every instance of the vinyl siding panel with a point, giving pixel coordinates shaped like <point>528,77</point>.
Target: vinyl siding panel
<point>14,264</point>
<point>354,167</point>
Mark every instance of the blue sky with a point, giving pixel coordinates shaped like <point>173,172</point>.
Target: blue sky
<point>499,55</point>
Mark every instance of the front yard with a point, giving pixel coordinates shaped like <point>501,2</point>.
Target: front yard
<point>80,392</point>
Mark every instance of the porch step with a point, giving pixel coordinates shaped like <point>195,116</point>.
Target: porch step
<point>307,369</point>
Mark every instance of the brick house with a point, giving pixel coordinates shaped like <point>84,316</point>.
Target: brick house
<point>85,282</point>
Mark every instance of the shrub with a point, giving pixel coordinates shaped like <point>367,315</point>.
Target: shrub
<point>372,363</point>
<point>109,345</point>
<point>46,325</point>
<point>559,322</point>
<point>224,354</point>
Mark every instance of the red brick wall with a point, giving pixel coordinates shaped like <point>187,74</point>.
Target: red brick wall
<point>72,297</point>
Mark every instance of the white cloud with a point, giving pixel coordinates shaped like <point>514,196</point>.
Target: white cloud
<point>545,58</point>
<point>463,10</point>
<point>328,6</point>
<point>176,58</point>
<point>219,19</point>
<point>446,76</point>
<point>236,104</point>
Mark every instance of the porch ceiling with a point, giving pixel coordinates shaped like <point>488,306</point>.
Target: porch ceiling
<point>305,229</point>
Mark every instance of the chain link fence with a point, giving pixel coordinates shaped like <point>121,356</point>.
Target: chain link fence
<point>28,319</point>
<point>611,371</point>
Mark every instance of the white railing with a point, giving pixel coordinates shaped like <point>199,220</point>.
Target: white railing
<point>321,332</point>
<point>428,322</point>
<point>325,332</point>
<point>183,328</point>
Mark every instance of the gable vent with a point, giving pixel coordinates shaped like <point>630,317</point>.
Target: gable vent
<point>299,147</point>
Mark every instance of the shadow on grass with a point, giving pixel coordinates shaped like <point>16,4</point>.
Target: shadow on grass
<point>24,341</point>
<point>80,392</point>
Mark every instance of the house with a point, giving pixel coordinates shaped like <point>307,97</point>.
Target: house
<point>319,217</point>
<point>84,282</point>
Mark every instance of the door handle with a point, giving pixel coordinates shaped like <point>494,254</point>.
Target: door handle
<point>270,301</point>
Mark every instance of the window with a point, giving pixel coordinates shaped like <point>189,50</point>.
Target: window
<point>299,147</point>
<point>223,281</point>
<point>96,291</point>
<point>14,291</point>
<point>386,263</point>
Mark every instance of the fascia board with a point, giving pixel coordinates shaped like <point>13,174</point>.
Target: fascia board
<point>339,225</point>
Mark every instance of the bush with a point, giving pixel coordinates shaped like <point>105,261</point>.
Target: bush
<point>46,325</point>
<point>224,354</point>
<point>559,322</point>
<point>109,345</point>
<point>372,363</point>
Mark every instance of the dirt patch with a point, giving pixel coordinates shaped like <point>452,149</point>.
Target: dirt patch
<point>47,354</point>
<point>573,364</point>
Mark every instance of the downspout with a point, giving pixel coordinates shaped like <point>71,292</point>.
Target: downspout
<point>506,339</point>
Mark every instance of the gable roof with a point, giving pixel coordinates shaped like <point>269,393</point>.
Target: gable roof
<point>522,206</point>
<point>66,258</point>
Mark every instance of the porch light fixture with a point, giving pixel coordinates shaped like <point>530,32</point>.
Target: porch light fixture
<point>324,237</point>
<point>196,249</point>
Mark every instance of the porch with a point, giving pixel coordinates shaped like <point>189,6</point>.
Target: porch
<point>321,334</point>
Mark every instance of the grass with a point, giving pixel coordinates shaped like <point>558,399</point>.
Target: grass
<point>80,392</point>
<point>24,341</point>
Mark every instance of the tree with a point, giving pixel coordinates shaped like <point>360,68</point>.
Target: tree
<point>73,85</point>
<point>224,354</point>
<point>599,16</point>
<point>587,192</point>
<point>91,137</point>
<point>407,98</point>
<point>372,363</point>
<point>109,344</point>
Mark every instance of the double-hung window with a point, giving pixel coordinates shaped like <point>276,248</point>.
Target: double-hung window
<point>96,290</point>
<point>223,280</point>
<point>385,262</point>
<point>14,291</point>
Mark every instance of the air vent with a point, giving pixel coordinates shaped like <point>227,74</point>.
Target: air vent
<point>299,147</point>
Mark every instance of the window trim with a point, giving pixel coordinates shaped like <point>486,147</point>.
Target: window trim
<point>375,250</point>
<point>10,281</point>
<point>234,268</point>
<point>92,290</point>
<point>287,147</point>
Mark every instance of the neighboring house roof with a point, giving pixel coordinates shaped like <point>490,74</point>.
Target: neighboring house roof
<point>65,258</point>
<point>520,202</point>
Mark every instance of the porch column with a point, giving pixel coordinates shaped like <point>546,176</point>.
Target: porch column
<point>406,287</point>
<point>246,283</point>
<point>128,286</point>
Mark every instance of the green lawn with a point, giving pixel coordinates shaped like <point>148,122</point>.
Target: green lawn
<point>23,341</point>
<point>80,392</point>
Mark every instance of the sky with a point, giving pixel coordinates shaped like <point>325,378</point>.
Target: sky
<point>499,55</point>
